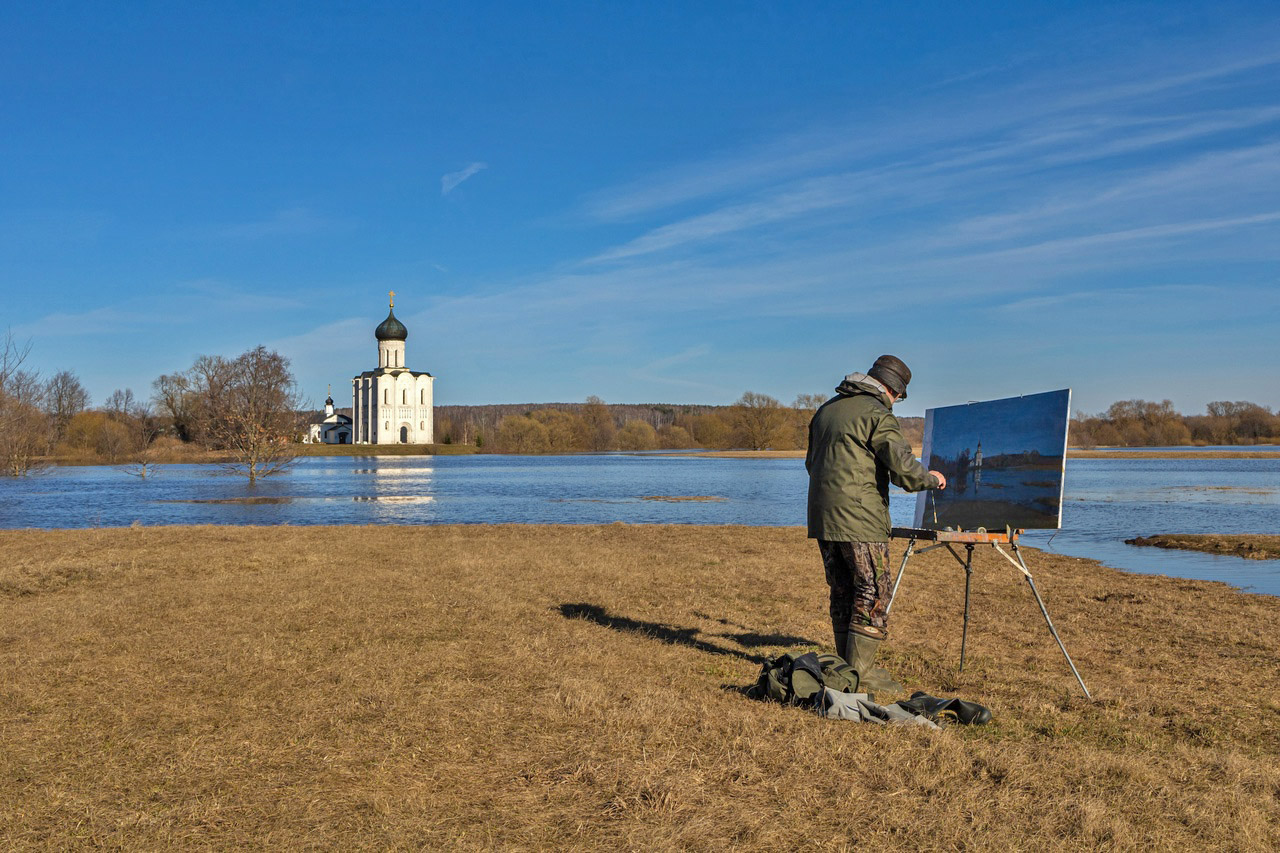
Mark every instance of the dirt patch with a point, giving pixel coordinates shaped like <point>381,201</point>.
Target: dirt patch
<point>1242,490</point>
<point>1251,546</point>
<point>252,500</point>
<point>683,498</point>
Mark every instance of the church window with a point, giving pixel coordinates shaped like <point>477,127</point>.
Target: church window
<point>422,425</point>
<point>404,398</point>
<point>422,397</point>
<point>386,396</point>
<point>388,424</point>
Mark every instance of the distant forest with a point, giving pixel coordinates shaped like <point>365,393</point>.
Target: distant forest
<point>1138,423</point>
<point>754,422</point>
<point>247,409</point>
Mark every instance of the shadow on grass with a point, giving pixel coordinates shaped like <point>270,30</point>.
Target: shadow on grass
<point>681,636</point>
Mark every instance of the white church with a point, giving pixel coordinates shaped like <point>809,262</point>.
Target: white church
<point>392,404</point>
<point>330,428</point>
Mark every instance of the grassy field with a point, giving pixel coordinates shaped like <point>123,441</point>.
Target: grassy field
<point>478,687</point>
<point>1252,546</point>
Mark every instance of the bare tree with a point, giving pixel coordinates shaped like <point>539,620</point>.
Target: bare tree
<point>120,403</point>
<point>637,435</point>
<point>521,434</point>
<point>210,378</point>
<point>143,426</point>
<point>64,398</point>
<point>24,427</point>
<point>600,425</point>
<point>174,399</point>
<point>802,412</point>
<point>249,407</point>
<point>758,420</point>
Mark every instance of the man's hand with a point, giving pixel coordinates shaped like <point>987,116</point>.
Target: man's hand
<point>942,481</point>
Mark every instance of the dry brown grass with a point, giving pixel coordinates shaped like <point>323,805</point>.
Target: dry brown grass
<point>574,687</point>
<point>1252,546</point>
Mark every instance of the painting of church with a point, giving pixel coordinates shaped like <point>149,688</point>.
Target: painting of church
<point>392,404</point>
<point>1004,462</point>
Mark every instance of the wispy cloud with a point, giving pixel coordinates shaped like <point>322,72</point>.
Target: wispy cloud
<point>1122,163</point>
<point>291,222</point>
<point>218,296</point>
<point>1037,123</point>
<point>656,370</point>
<point>105,320</point>
<point>450,181</point>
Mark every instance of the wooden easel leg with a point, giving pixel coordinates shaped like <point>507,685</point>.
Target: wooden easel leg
<point>1031,582</point>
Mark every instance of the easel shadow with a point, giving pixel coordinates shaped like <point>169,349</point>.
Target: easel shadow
<point>682,636</point>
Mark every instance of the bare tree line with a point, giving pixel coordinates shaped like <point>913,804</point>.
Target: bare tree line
<point>246,409</point>
<point>1136,423</point>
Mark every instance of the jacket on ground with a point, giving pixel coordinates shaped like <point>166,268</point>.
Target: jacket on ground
<point>856,449</point>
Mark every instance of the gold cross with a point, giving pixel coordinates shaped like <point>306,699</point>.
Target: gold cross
<point>392,294</point>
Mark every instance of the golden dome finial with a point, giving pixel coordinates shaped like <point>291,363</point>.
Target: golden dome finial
<point>392,294</point>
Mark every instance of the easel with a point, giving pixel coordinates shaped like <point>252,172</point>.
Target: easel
<point>949,539</point>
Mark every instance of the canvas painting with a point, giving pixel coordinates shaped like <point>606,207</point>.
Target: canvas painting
<point>1004,462</point>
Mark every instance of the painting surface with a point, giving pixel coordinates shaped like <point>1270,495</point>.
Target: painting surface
<point>1004,462</point>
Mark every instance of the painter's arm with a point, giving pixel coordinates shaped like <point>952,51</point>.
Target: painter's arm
<point>905,471</point>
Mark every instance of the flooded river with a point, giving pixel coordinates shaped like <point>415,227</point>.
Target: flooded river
<point>1106,501</point>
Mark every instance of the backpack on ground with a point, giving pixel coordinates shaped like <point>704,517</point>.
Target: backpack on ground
<point>798,678</point>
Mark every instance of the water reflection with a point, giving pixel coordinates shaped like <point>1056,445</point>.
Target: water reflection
<point>404,499</point>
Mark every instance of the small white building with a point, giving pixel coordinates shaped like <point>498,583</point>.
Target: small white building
<point>332,428</point>
<point>392,404</point>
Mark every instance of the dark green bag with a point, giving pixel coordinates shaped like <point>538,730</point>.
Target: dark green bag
<point>797,677</point>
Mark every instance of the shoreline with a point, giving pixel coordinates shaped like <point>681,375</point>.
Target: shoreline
<point>355,450</point>
<point>1072,453</point>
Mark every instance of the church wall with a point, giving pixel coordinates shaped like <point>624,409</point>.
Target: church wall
<point>384,403</point>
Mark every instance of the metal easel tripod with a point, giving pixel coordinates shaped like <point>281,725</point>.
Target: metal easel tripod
<point>949,539</point>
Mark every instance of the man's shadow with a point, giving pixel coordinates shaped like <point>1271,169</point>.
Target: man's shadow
<point>683,636</point>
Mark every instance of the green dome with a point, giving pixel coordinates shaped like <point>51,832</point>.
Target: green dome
<point>391,329</point>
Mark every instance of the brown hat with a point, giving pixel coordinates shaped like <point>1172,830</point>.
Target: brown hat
<point>891,373</point>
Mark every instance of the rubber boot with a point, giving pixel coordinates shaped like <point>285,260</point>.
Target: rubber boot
<point>947,710</point>
<point>842,643</point>
<point>861,655</point>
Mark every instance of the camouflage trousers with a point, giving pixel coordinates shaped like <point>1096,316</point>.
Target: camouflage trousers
<point>859,577</point>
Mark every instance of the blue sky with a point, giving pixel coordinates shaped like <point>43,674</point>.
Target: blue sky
<point>651,202</point>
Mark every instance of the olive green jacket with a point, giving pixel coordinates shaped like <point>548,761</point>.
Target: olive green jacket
<point>856,449</point>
